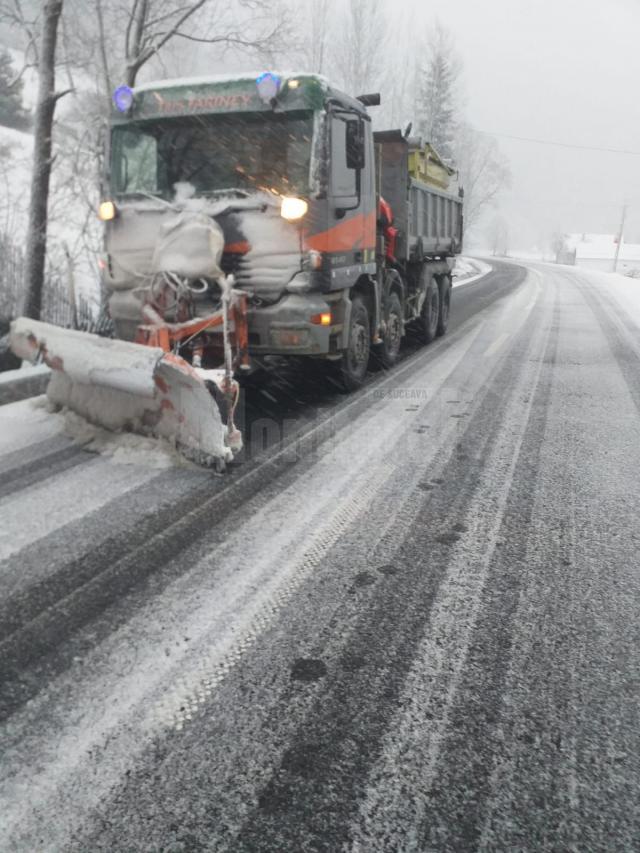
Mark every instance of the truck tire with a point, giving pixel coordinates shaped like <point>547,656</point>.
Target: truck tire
<point>430,315</point>
<point>386,354</point>
<point>445,305</point>
<point>352,367</point>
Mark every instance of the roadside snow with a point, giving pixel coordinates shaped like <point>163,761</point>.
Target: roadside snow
<point>625,290</point>
<point>31,421</point>
<point>25,423</point>
<point>468,270</point>
<point>123,448</point>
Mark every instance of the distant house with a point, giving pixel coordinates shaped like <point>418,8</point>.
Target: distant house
<point>598,251</point>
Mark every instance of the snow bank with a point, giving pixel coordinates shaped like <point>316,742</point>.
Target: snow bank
<point>468,270</point>
<point>36,420</point>
<point>26,422</point>
<point>123,448</point>
<point>625,290</point>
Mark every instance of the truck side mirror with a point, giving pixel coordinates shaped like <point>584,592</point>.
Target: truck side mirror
<point>355,144</point>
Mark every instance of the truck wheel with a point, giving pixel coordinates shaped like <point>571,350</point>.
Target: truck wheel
<point>355,359</point>
<point>445,305</point>
<point>387,353</point>
<point>430,314</point>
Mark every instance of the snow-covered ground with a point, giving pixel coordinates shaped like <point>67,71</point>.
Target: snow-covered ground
<point>430,580</point>
<point>32,421</point>
<point>468,270</point>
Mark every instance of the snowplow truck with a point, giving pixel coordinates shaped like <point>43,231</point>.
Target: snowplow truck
<point>261,215</point>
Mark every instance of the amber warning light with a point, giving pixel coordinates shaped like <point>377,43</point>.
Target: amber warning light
<point>323,319</point>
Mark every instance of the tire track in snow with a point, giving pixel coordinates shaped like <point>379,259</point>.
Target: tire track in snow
<point>38,470</point>
<point>346,453</point>
<point>400,793</point>
<point>410,451</point>
<point>567,725</point>
<point>349,721</point>
<point>432,355</point>
<point>38,510</point>
<point>47,570</point>
<point>416,455</point>
<point>57,607</point>
<point>163,713</point>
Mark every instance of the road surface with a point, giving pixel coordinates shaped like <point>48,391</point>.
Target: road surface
<point>413,627</point>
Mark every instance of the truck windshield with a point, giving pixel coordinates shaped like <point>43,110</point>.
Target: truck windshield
<point>212,153</point>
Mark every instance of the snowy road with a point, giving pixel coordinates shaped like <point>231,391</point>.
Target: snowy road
<point>414,629</point>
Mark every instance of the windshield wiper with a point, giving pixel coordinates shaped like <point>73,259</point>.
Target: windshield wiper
<point>229,191</point>
<point>143,194</point>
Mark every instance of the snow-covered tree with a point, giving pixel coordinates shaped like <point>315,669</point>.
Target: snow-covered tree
<point>12,112</point>
<point>498,236</point>
<point>315,36</point>
<point>146,29</point>
<point>437,104</point>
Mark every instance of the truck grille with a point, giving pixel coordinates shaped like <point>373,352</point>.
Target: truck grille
<point>231,263</point>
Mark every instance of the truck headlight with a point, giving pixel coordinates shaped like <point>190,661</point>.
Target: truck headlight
<point>107,211</point>
<point>293,208</point>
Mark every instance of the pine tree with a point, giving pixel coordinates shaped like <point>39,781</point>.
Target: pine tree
<point>12,113</point>
<point>437,93</point>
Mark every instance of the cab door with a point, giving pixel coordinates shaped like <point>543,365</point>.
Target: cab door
<point>350,240</point>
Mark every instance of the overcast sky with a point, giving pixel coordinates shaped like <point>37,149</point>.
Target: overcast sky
<point>562,70</point>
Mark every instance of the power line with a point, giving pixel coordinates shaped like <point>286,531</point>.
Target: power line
<point>561,144</point>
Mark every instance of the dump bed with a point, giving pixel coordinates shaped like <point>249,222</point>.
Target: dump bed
<point>429,220</point>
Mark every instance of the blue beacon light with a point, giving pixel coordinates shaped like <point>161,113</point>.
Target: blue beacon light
<point>268,86</point>
<point>123,98</point>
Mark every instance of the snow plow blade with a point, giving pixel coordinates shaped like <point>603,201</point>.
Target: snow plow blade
<point>124,386</point>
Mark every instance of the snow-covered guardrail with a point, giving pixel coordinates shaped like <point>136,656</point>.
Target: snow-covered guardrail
<point>22,383</point>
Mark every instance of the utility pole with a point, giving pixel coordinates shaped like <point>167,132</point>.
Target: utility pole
<point>620,237</point>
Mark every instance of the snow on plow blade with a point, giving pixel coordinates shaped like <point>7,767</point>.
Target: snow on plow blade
<point>123,386</point>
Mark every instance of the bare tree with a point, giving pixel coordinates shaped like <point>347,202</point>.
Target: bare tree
<point>314,38</point>
<point>437,105</point>
<point>498,234</point>
<point>149,26</point>
<point>360,45</point>
<point>484,171</point>
<point>42,161</point>
<point>79,42</point>
<point>399,98</point>
<point>24,17</point>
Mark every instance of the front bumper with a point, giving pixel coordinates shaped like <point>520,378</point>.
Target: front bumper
<point>285,327</point>
<point>281,328</point>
